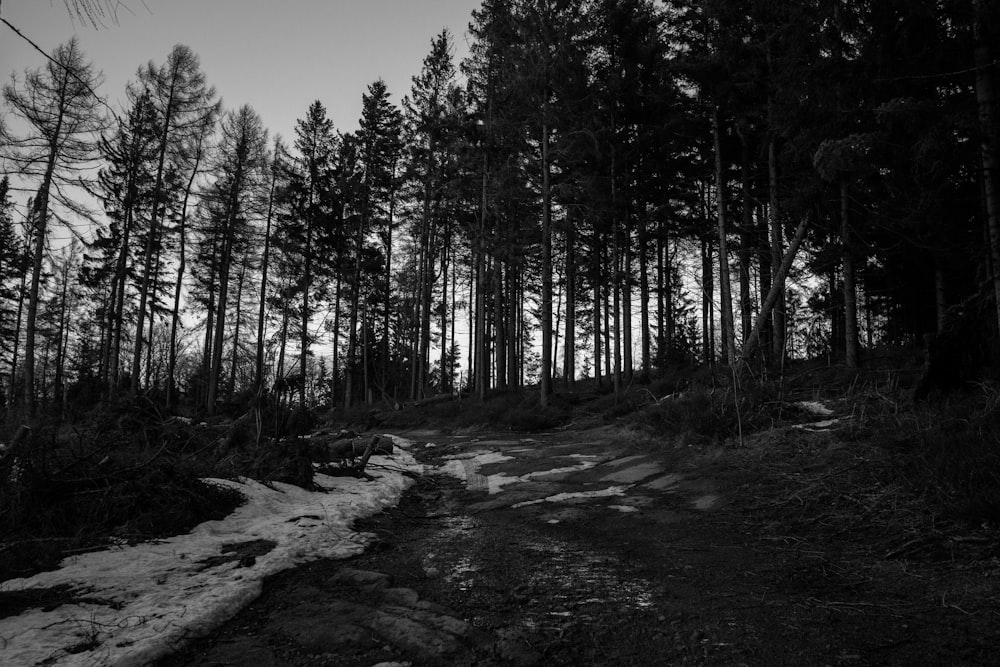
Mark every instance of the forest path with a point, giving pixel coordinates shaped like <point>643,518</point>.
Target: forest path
<point>589,549</point>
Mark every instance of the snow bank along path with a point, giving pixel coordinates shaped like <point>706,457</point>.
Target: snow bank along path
<point>139,603</point>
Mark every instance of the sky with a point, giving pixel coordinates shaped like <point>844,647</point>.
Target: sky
<point>278,56</point>
<point>144,601</point>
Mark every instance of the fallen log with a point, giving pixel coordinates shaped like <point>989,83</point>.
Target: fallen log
<point>343,449</point>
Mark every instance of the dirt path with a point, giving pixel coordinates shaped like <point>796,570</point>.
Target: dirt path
<point>586,549</point>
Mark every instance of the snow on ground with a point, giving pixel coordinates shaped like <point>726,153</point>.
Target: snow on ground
<point>563,497</point>
<point>139,603</point>
<point>815,407</point>
<point>466,468</point>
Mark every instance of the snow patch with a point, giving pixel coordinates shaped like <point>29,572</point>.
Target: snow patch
<point>466,468</point>
<point>562,497</point>
<point>624,509</point>
<point>820,426</point>
<point>815,408</point>
<point>145,601</point>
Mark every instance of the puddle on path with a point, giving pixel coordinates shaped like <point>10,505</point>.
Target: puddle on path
<point>634,473</point>
<point>557,580</point>
<point>583,582</point>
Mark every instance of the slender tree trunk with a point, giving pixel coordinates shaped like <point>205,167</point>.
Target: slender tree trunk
<point>725,289</point>
<point>501,336</point>
<point>366,380</point>
<point>545,382</point>
<point>39,217</point>
<point>776,288</point>
<point>11,399</point>
<point>306,289</point>
<point>336,341</point>
<point>644,296</point>
<point>179,284</point>
<point>220,322</point>
<point>850,291</point>
<point>778,312</point>
<point>265,262</point>
<point>707,307</point>
<point>236,327</point>
<point>481,347</point>
<point>746,240</point>
<point>940,298</point>
<point>279,371</point>
<point>628,363</point>
<point>154,222</point>
<point>662,299</point>
<point>61,335</point>
<point>569,346</point>
<point>986,99</point>
<point>386,350</point>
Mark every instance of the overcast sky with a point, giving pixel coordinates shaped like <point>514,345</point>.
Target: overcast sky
<point>276,55</point>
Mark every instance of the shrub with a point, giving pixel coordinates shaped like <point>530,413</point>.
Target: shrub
<point>949,454</point>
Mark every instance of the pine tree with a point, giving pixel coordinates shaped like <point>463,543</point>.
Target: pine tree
<point>308,226</point>
<point>380,146</point>
<point>240,165</point>
<point>63,116</point>
<point>183,101</point>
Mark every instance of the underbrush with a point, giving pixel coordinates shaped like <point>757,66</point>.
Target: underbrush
<point>124,475</point>
<point>948,452</point>
<point>713,415</point>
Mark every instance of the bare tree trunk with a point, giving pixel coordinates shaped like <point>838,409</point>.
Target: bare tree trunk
<point>236,327</point>
<point>265,263</point>
<point>662,299</point>
<point>597,316</point>
<point>746,241</point>
<point>940,297</point>
<point>850,291</point>
<point>644,296</point>
<point>707,307</point>
<point>500,326</point>
<point>61,336</point>
<point>154,223</point>
<point>628,363</point>
<point>569,346</point>
<point>778,311</point>
<point>179,283</point>
<point>39,215</point>
<point>985,97</point>
<point>725,289</point>
<point>335,349</point>
<point>481,348</point>
<point>545,383</point>
<point>776,288</point>
<point>11,401</point>
<point>215,369</point>
<point>616,378</point>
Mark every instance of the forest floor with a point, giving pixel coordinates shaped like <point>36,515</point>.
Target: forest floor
<point>601,546</point>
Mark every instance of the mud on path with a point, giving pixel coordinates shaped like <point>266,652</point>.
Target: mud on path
<point>586,549</point>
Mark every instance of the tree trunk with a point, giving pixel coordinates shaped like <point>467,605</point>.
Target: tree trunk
<point>985,97</point>
<point>940,297</point>
<point>335,349</point>
<point>236,328</point>
<point>777,285</point>
<point>545,381</point>
<point>179,283</point>
<point>154,222</point>
<point>725,290</point>
<point>569,345</point>
<point>776,288</point>
<point>645,333</point>
<point>265,261</point>
<point>746,241</point>
<point>850,292</point>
